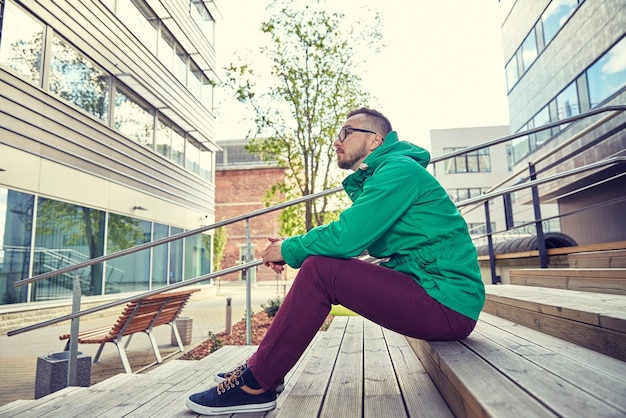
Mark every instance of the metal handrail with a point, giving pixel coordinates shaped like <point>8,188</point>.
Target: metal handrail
<point>254,263</point>
<point>279,206</point>
<point>299,200</point>
<point>616,108</point>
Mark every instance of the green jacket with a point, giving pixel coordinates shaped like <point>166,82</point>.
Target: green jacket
<point>400,211</point>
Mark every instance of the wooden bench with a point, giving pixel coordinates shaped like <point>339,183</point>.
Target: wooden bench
<point>142,315</point>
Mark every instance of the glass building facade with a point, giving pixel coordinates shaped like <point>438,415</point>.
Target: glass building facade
<point>106,142</point>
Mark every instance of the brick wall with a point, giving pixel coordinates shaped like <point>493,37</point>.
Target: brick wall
<point>240,191</point>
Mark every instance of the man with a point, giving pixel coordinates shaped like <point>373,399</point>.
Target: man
<point>429,288</point>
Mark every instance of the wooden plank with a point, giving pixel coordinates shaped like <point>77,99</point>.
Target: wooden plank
<point>382,396</point>
<point>420,394</point>
<point>607,365</point>
<point>560,251</point>
<point>598,259</point>
<point>306,396</point>
<point>570,387</point>
<point>344,397</point>
<point>609,342</point>
<point>196,377</point>
<point>578,306</point>
<point>472,387</point>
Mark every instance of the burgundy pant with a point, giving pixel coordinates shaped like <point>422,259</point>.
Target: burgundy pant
<point>387,297</point>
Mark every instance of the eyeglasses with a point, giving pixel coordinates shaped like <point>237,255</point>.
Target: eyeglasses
<point>347,130</point>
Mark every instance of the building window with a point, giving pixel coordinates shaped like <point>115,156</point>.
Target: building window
<point>555,16</point>
<point>133,119</point>
<point>607,76</point>
<point>529,50</point>
<point>21,43</point>
<point>140,20</point>
<point>178,146</point>
<point>192,155</point>
<point>567,103</point>
<point>163,138</point>
<point>132,270</point>
<point>510,162</point>
<point>76,79</point>
<point>512,75</point>
<point>206,165</point>
<point>67,234</point>
<point>542,118</point>
<point>473,162</point>
<point>458,195</point>
<point>16,226</point>
<point>203,19</point>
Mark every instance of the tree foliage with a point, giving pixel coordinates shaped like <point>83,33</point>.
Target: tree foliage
<point>315,58</point>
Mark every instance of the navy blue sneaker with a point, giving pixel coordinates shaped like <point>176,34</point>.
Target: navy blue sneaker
<point>239,392</point>
<point>220,377</point>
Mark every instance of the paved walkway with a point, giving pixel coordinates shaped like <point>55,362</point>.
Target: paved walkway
<point>19,353</point>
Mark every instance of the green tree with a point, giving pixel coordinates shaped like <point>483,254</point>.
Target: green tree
<point>315,57</point>
<point>219,244</point>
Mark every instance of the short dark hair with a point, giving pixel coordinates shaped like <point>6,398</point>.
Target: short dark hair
<point>380,121</point>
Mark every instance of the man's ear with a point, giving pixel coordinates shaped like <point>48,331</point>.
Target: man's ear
<point>376,142</point>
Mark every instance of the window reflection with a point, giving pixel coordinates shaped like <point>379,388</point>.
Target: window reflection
<point>197,251</point>
<point>178,147</point>
<point>21,43</point>
<point>67,234</point>
<point>540,119</point>
<point>163,138</point>
<point>206,165</point>
<point>75,78</point>
<point>16,225</point>
<point>141,20</point>
<point>203,19</point>
<point>193,158</point>
<point>176,257</point>
<point>555,16</point>
<point>159,256</point>
<point>567,103</point>
<point>608,75</point>
<point>132,270</point>
<point>529,50</point>
<point>133,120</point>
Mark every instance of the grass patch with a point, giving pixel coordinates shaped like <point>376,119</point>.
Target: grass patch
<point>338,310</point>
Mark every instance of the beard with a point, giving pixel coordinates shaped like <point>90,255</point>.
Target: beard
<point>351,158</point>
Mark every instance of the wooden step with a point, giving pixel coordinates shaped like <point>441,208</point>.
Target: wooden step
<point>599,280</point>
<point>598,259</point>
<point>355,368</point>
<point>592,320</point>
<point>504,369</point>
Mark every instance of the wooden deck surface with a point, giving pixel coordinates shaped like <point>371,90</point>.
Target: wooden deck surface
<point>355,369</point>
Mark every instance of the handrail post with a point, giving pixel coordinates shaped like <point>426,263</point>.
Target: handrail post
<point>248,286</point>
<point>72,365</point>
<point>541,241</point>
<point>495,279</point>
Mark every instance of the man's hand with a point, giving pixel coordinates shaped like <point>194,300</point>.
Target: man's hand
<point>272,255</point>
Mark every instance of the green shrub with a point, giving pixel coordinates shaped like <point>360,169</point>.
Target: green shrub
<point>272,306</point>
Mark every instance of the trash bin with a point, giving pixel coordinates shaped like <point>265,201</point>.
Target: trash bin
<point>52,372</point>
<point>184,326</point>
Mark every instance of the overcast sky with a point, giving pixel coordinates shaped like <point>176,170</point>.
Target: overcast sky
<point>442,66</point>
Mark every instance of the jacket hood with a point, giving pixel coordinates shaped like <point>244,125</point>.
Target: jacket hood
<point>392,147</point>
